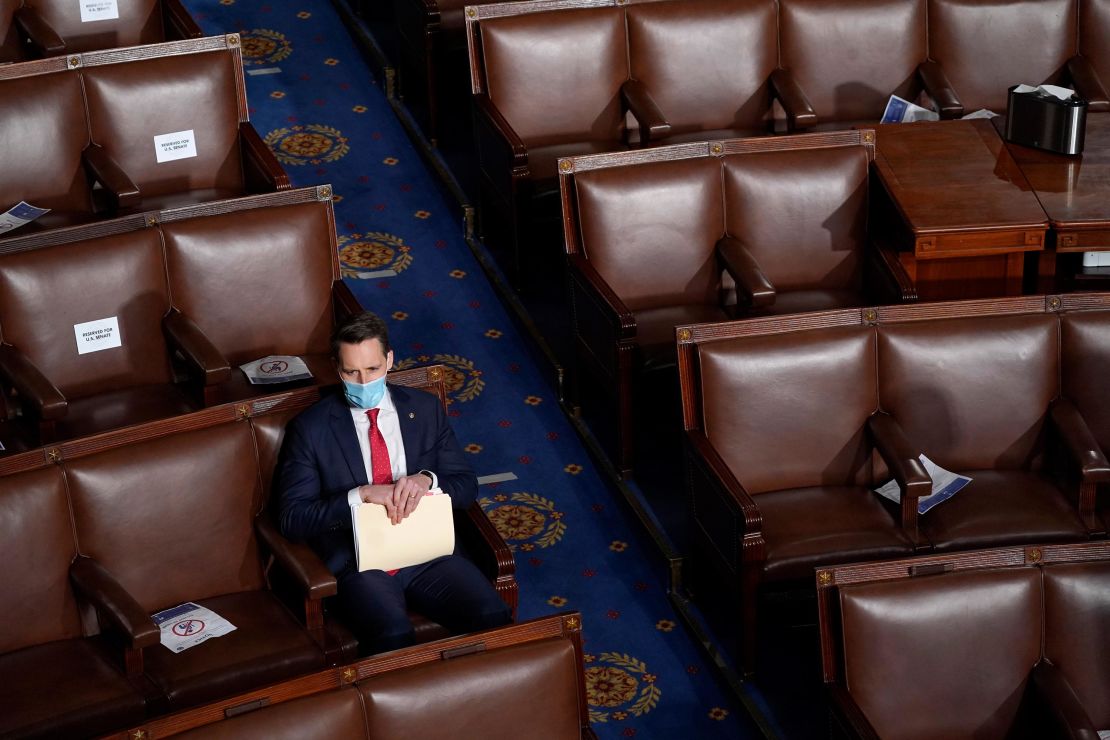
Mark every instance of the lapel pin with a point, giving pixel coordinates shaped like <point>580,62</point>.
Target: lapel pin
<point>412,415</point>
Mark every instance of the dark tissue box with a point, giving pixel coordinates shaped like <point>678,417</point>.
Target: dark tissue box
<point>1041,120</point>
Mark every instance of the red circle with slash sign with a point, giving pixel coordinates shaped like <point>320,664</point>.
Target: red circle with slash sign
<point>187,627</point>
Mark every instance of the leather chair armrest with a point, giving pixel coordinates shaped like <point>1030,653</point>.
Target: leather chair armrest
<point>113,602</point>
<point>1060,705</point>
<point>711,461</point>
<point>344,303</point>
<point>588,283</point>
<point>891,283</point>
<point>1087,84</point>
<point>799,112</point>
<point>848,716</point>
<point>179,24</point>
<point>502,154</point>
<point>43,37</point>
<point>108,173</point>
<point>902,459</point>
<point>1080,443</point>
<point>261,170</point>
<point>34,388</point>
<point>937,87</point>
<point>202,357</point>
<point>299,561</point>
<point>751,283</point>
<point>653,125</point>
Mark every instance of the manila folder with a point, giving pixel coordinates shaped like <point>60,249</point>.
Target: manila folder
<point>425,534</point>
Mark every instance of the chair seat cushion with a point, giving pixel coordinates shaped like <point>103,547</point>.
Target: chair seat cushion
<point>799,301</point>
<point>711,135</point>
<point>65,688</point>
<point>55,219</point>
<point>187,198</point>
<point>124,407</point>
<point>1002,507</point>
<point>808,527</point>
<point>655,330</point>
<point>238,387</point>
<point>267,646</point>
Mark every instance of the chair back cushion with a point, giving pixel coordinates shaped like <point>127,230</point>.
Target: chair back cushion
<point>706,63</point>
<point>1094,36</point>
<point>130,103</point>
<point>1085,348</point>
<point>802,214</point>
<point>327,716</point>
<point>765,398</point>
<point>139,22</point>
<point>987,47</point>
<point>1077,632</point>
<point>257,282</point>
<point>36,548</point>
<point>535,685</point>
<point>849,57</point>
<point>9,37</point>
<point>556,76</point>
<point>972,393</point>
<point>46,293</point>
<point>651,230</point>
<point>172,518</point>
<point>942,656</point>
<point>41,140</point>
<point>269,432</point>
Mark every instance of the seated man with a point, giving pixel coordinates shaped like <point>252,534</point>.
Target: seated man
<point>384,445</point>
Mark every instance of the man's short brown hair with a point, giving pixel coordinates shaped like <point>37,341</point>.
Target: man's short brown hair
<point>356,329</point>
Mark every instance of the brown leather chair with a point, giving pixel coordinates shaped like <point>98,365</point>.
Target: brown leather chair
<point>10,50</point>
<point>173,519</point>
<point>1094,47</point>
<point>1077,617</point>
<point>45,144</point>
<point>843,60</point>
<point>976,635</point>
<point>257,282</point>
<point>54,27</point>
<point>701,69</point>
<point>704,232</point>
<point>45,293</point>
<point>57,679</point>
<point>159,92</point>
<point>982,49</point>
<point>546,85</point>
<point>978,396</point>
<point>1085,351</point>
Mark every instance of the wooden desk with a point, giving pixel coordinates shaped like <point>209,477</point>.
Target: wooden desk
<point>1075,193</point>
<point>956,206</point>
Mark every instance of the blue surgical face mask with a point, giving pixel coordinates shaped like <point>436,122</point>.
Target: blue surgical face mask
<point>365,395</point>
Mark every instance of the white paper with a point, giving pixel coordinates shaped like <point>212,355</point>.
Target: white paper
<point>981,113</point>
<point>1104,735</point>
<point>189,625</point>
<point>178,145</point>
<point>945,485</point>
<point>94,336</point>
<point>899,110</point>
<point>98,10</point>
<point>1054,90</point>
<point>276,369</point>
<point>18,215</point>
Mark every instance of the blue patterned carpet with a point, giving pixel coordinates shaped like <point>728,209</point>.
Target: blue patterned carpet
<point>314,101</point>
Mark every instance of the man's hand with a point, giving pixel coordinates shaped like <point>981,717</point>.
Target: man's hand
<point>399,498</point>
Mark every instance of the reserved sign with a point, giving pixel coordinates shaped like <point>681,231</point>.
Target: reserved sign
<point>98,10</point>
<point>94,336</point>
<point>178,145</point>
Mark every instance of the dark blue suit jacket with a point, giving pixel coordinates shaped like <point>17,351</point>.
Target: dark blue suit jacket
<point>321,460</point>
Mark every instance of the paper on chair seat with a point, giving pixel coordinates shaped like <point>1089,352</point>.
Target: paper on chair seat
<point>188,625</point>
<point>427,533</point>
<point>945,485</point>
<point>276,369</point>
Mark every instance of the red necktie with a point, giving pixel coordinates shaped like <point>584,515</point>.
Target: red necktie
<point>380,469</point>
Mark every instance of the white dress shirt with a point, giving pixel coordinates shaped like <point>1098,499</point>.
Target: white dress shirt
<point>389,423</point>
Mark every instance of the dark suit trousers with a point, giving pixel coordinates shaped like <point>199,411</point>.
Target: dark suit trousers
<point>449,590</point>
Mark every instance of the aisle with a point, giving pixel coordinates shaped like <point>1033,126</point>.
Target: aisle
<point>313,100</point>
